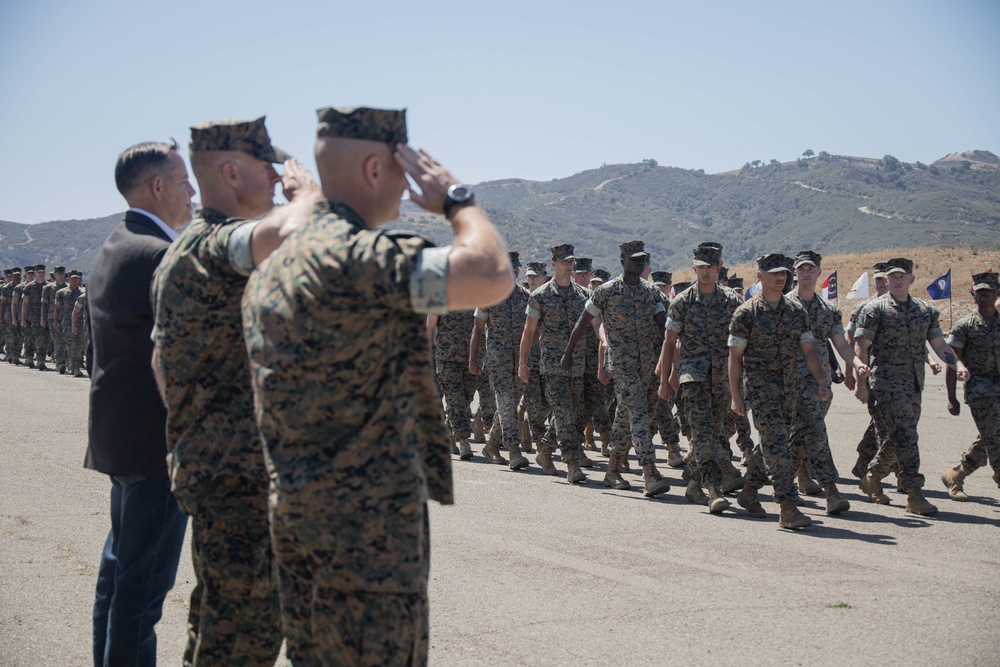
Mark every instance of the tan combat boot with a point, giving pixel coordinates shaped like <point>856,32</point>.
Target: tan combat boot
<point>573,473</point>
<point>544,461</point>
<point>653,481</point>
<point>732,480</point>
<point>454,448</point>
<point>613,477</point>
<point>584,461</point>
<point>675,458</point>
<point>917,504</point>
<point>605,439</point>
<point>517,460</point>
<point>694,493</point>
<point>588,436</point>
<point>492,451</point>
<point>526,435</point>
<point>872,486</point>
<point>952,480</point>
<point>717,503</point>
<point>835,503</point>
<point>464,450</point>
<point>750,501</point>
<point>808,485</point>
<point>791,517</point>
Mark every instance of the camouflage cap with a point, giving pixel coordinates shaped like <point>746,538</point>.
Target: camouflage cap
<point>387,126</point>
<point>681,286</point>
<point>723,273</point>
<point>708,254</point>
<point>16,270</point>
<point>879,270</point>
<point>245,136</point>
<point>29,269</point>
<point>633,249</point>
<point>602,275</point>
<point>807,257</point>
<point>583,265</point>
<point>986,280</point>
<point>711,244</point>
<point>536,269</point>
<point>899,265</point>
<point>75,274</point>
<point>8,272</point>
<point>775,262</point>
<point>661,277</point>
<point>562,252</point>
<point>515,259</point>
<point>736,283</point>
<point>39,267</point>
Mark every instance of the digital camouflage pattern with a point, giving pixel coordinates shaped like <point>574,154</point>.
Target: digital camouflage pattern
<point>49,309</point>
<point>770,338</point>
<point>386,126</point>
<point>234,616</point>
<point>65,301</point>
<point>14,340</point>
<point>898,333</point>
<point>986,414</point>
<point>504,326</point>
<point>451,358</point>
<point>702,325</point>
<point>211,429</point>
<point>245,136</point>
<point>557,310</point>
<point>34,334</point>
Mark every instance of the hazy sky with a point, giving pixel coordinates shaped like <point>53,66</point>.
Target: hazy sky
<point>534,90</point>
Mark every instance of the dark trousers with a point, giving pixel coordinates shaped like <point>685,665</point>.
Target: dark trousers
<point>138,567</point>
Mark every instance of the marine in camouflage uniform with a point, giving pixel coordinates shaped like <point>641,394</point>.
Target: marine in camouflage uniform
<point>503,324</point>
<point>354,436</point>
<point>663,420</point>
<point>13,338</point>
<point>449,335</point>
<point>8,275</point>
<point>892,332</point>
<point>976,341</point>
<point>49,311</point>
<point>632,313</point>
<point>81,323</point>
<point>595,418</point>
<point>17,304</point>
<point>533,401</point>
<point>740,424</point>
<point>214,453</point>
<point>698,321</point>
<point>65,302</point>
<point>31,311</point>
<point>764,337</point>
<point>553,310</point>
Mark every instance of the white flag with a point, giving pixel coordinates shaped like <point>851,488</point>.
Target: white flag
<point>752,291</point>
<point>859,290</point>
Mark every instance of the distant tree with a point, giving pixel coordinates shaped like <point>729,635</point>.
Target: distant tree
<point>890,162</point>
<point>920,165</point>
<point>808,153</point>
<point>746,167</point>
<point>650,162</point>
<point>934,170</point>
<point>823,155</point>
<point>774,163</point>
<point>756,163</point>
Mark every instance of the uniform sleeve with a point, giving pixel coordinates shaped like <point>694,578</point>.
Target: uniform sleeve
<point>240,251</point>
<point>739,328</point>
<point>959,334</point>
<point>481,314</point>
<point>597,302</point>
<point>403,272</point>
<point>868,322</point>
<point>934,330</point>
<point>214,248</point>
<point>675,315</point>
<point>534,308</point>
<point>838,323</point>
<point>429,282</point>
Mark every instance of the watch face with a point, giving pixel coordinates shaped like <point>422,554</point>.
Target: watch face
<point>459,193</point>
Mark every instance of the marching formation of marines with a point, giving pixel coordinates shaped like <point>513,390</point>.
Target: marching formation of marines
<point>40,319</point>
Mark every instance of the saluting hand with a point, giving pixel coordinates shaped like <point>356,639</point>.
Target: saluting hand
<point>431,177</point>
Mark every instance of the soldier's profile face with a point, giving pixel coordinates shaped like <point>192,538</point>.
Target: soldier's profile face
<point>257,181</point>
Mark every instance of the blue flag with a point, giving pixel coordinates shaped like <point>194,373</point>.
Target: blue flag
<point>830,286</point>
<point>941,287</point>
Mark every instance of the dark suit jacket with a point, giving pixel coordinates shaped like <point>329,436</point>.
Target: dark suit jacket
<point>127,417</point>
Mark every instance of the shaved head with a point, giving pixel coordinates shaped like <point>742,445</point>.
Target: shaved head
<point>362,174</point>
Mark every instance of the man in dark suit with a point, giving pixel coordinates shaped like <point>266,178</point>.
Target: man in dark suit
<point>127,418</point>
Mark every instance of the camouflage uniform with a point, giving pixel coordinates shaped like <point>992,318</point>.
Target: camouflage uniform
<point>66,300</point>
<point>808,435</point>
<point>868,445</point>
<point>451,357</point>
<point>33,293</point>
<point>82,323</point>
<point>979,340</point>
<point>557,310</point>
<point>663,418</point>
<point>49,310</point>
<point>702,325</point>
<point>14,341</point>
<point>27,333</point>
<point>771,338</point>
<point>634,340</point>
<point>353,432</point>
<point>214,455</point>
<point>898,333</point>
<point>504,325</point>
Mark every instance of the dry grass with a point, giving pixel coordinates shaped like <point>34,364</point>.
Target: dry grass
<point>929,263</point>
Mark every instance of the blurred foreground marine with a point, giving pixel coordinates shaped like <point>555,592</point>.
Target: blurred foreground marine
<point>353,432</point>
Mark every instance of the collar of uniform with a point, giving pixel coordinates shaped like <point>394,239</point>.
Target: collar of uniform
<point>341,210</point>
<point>698,296</point>
<point>211,216</point>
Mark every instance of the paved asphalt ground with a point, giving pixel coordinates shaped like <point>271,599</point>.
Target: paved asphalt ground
<point>528,570</point>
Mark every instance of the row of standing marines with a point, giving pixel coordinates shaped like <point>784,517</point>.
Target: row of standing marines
<point>42,318</point>
<point>302,428</point>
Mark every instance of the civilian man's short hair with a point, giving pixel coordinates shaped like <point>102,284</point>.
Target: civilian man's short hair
<point>138,163</point>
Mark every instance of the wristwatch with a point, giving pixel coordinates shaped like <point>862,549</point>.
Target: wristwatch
<point>459,196</point>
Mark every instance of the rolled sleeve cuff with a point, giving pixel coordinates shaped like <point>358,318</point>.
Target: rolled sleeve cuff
<point>837,330</point>
<point>659,309</point>
<point>429,282</point>
<point>531,312</point>
<point>736,341</point>
<point>674,325</point>
<point>240,252</point>
<point>591,308</point>
<point>807,337</point>
<point>479,314</point>
<point>954,342</point>
<point>851,327</point>
<point>868,334</point>
<point>935,332</point>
